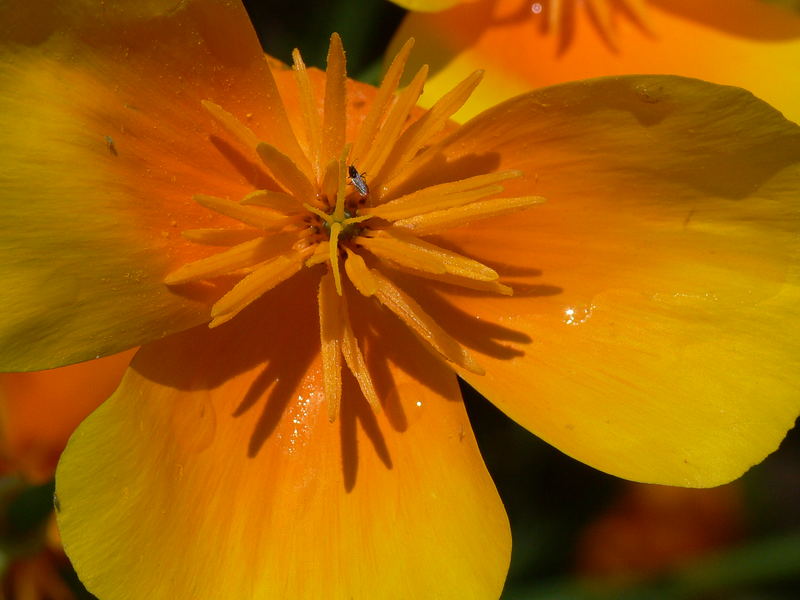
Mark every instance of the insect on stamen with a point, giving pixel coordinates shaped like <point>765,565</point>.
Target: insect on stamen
<point>358,181</point>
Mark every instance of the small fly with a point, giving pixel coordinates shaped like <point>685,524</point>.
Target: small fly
<point>358,181</point>
<point>110,145</point>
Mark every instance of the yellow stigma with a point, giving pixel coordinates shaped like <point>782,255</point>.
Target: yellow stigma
<point>319,215</point>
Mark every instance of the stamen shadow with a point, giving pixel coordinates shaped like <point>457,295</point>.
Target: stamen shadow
<point>489,338</point>
<point>439,170</point>
<point>355,410</point>
<point>282,373</point>
<point>204,359</point>
<point>250,170</point>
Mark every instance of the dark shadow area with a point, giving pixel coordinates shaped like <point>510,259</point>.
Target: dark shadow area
<point>250,170</point>
<point>362,26</point>
<point>438,169</point>
<point>279,331</point>
<point>386,340</point>
<point>746,18</point>
<point>356,411</point>
<point>489,338</point>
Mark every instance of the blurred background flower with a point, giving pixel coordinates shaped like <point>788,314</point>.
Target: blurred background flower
<point>38,413</point>
<point>578,533</point>
<point>523,43</point>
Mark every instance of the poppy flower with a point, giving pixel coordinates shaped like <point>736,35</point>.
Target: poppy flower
<point>41,409</point>
<point>292,425</point>
<point>652,529</point>
<point>522,44</point>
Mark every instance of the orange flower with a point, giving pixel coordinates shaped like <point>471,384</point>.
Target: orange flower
<point>651,529</point>
<point>40,410</point>
<point>165,185</point>
<point>523,44</point>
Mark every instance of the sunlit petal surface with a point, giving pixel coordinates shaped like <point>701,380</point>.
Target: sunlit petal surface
<point>223,477</point>
<point>524,44</point>
<point>98,165</point>
<point>652,331</point>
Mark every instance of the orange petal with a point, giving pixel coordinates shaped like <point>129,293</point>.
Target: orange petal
<point>652,332</point>
<point>747,43</point>
<point>214,472</point>
<point>103,142</point>
<point>40,410</point>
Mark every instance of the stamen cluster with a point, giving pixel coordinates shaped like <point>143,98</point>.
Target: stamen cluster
<point>325,213</point>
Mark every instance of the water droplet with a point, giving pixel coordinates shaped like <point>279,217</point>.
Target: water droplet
<point>579,314</point>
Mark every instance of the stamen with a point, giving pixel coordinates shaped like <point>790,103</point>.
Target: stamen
<point>284,170</point>
<point>277,201</point>
<point>369,128</point>
<point>490,287</point>
<point>356,363</point>
<point>309,109</point>
<point>256,284</point>
<point>337,340</point>
<point>220,237</point>
<point>440,220</point>
<point>418,161</point>
<point>423,324</point>
<point>341,191</point>
<point>321,254</point>
<point>330,182</point>
<point>420,203</point>
<point>231,124</point>
<point>331,324</point>
<point>388,134</point>
<point>276,121</point>
<point>335,109</point>
<point>393,152</point>
<point>333,247</point>
<point>222,263</point>
<point>251,216</point>
<point>359,274</point>
<point>419,133</point>
<point>413,253</point>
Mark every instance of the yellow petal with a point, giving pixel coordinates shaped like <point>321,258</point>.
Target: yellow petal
<point>221,439</point>
<point>429,5</point>
<point>746,43</point>
<point>99,166</point>
<point>652,332</point>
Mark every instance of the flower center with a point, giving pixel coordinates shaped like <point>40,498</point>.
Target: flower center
<point>326,214</point>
